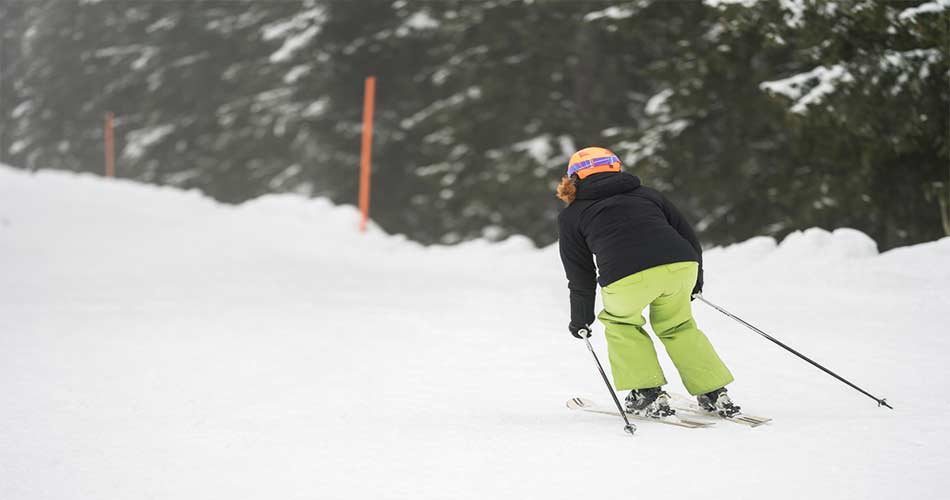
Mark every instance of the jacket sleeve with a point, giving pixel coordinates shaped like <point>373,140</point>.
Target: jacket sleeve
<point>676,219</point>
<point>581,273</point>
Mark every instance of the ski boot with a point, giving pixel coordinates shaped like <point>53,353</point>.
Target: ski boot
<point>653,403</point>
<point>718,402</point>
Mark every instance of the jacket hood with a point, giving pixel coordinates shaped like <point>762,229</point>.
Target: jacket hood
<point>605,185</point>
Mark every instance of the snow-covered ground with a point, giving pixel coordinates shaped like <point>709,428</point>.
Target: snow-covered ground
<point>155,344</point>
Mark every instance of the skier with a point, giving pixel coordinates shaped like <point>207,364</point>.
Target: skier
<point>647,254</point>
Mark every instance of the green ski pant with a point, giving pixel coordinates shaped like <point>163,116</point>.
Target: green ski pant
<point>667,290</point>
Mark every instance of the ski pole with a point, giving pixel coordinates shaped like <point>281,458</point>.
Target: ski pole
<point>880,401</point>
<point>629,428</point>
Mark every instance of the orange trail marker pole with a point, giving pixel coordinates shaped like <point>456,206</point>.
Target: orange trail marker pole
<point>110,145</point>
<point>369,97</point>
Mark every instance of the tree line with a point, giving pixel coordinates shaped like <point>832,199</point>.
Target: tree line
<point>754,117</point>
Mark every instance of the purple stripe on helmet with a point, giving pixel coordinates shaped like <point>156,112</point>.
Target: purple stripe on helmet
<point>594,162</point>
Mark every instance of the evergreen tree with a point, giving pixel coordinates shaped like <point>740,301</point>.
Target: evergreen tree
<point>867,112</point>
<point>186,82</point>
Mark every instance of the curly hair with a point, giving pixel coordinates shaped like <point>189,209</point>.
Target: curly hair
<point>567,190</point>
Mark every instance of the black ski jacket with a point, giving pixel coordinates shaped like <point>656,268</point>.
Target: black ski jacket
<point>629,227</point>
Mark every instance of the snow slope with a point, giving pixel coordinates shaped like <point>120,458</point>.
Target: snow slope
<point>155,344</point>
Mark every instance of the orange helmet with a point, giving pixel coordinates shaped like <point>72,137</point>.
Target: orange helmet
<point>592,160</point>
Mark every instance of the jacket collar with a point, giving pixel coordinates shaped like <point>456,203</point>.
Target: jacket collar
<point>605,185</point>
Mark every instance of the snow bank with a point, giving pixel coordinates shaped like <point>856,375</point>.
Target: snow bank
<point>154,343</point>
<point>813,244</point>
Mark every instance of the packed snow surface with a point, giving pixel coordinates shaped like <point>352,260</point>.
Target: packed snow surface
<point>155,344</point>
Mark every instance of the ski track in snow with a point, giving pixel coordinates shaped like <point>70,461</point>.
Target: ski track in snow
<point>155,344</point>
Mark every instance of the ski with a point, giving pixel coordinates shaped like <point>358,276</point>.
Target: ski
<point>592,407</point>
<point>688,405</point>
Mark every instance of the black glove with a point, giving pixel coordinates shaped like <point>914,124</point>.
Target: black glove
<point>579,331</point>
<point>698,288</point>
